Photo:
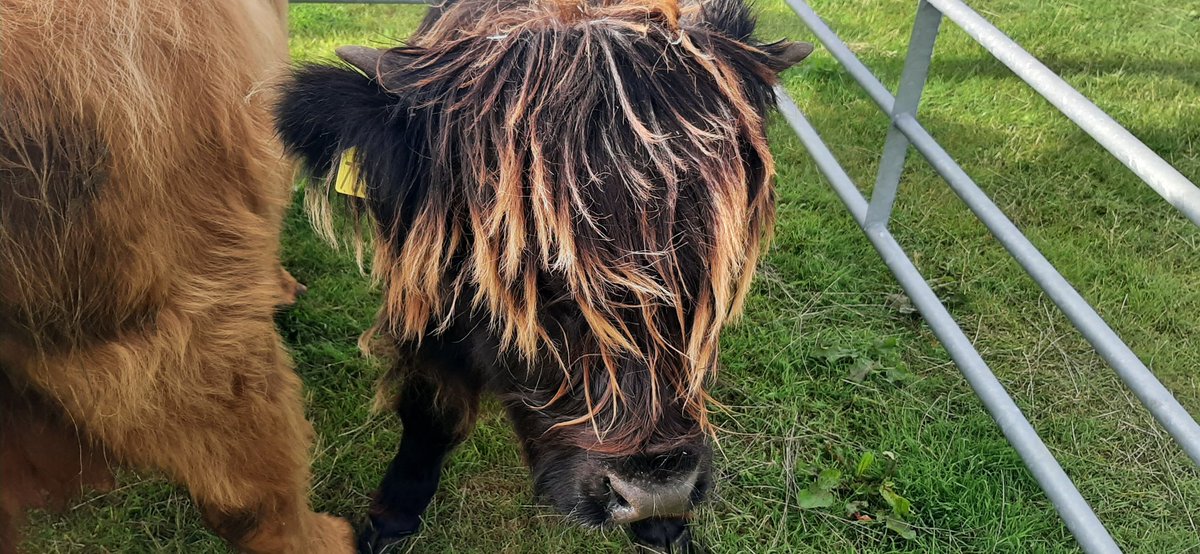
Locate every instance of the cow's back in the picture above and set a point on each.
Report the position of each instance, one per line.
(136, 162)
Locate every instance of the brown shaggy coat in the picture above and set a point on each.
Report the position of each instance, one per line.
(141, 197)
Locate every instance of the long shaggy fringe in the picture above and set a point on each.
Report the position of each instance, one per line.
(612, 150)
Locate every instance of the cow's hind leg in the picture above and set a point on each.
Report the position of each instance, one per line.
(223, 417)
(438, 410)
(252, 482)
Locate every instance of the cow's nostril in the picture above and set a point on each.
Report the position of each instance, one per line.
(615, 496)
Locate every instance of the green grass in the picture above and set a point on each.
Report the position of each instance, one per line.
(794, 410)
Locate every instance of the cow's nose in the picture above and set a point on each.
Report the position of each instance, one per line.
(634, 499)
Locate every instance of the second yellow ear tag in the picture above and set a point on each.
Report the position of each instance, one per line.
(348, 180)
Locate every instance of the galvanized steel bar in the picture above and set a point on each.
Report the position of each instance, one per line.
(1075, 511)
(908, 99)
(1152, 394)
(840, 52)
(1164, 179)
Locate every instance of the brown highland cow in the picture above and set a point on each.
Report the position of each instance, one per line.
(141, 196)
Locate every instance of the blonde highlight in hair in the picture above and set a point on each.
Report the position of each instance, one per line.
(565, 155)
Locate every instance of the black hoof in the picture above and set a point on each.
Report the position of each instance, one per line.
(666, 536)
(386, 536)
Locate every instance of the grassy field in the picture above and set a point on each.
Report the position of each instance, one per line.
(829, 365)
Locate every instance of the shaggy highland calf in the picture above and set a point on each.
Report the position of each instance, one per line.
(569, 201)
(141, 194)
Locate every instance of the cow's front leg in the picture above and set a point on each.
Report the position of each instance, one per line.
(438, 412)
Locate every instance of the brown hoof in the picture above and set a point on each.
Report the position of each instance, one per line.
(290, 289)
(332, 535)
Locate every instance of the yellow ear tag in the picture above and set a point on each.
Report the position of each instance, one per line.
(349, 182)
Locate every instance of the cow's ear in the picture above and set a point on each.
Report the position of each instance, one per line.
(734, 19)
(326, 109)
(785, 53)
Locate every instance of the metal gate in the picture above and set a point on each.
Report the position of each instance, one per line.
(873, 216)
